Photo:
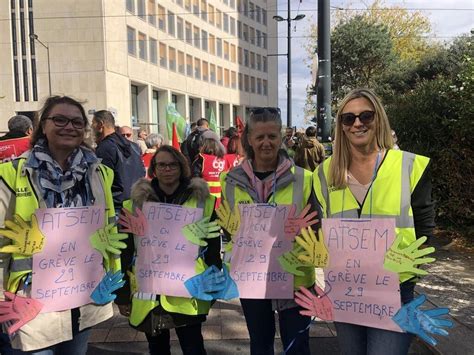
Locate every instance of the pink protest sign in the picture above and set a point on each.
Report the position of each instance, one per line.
(165, 258)
(68, 269)
(257, 246)
(361, 290)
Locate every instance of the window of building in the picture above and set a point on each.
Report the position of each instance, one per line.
(152, 12)
(197, 68)
(180, 28)
(226, 50)
(161, 18)
(211, 14)
(259, 86)
(204, 10)
(233, 53)
(258, 14)
(172, 58)
(252, 35)
(197, 38)
(212, 44)
(131, 42)
(134, 99)
(204, 41)
(226, 78)
(241, 82)
(233, 80)
(189, 33)
(252, 60)
(264, 40)
(259, 62)
(179, 2)
(252, 84)
(187, 5)
(246, 57)
(246, 7)
(155, 109)
(163, 56)
(219, 47)
(219, 76)
(246, 32)
(265, 87)
(171, 23)
(264, 64)
(218, 18)
(141, 12)
(131, 6)
(212, 69)
(241, 56)
(251, 10)
(240, 6)
(257, 38)
(142, 46)
(239, 30)
(153, 51)
(232, 26)
(226, 23)
(205, 71)
(189, 65)
(232, 4)
(264, 17)
(181, 62)
(196, 7)
(246, 83)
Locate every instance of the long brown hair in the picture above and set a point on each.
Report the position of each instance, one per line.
(211, 146)
(180, 158)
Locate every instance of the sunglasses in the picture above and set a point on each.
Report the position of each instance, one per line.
(366, 117)
(126, 135)
(260, 110)
(163, 166)
(62, 121)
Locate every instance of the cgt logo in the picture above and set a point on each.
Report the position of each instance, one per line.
(218, 164)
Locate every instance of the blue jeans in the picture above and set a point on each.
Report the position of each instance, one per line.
(76, 346)
(190, 340)
(260, 318)
(360, 340)
(5, 346)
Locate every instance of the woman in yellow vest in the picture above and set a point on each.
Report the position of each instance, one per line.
(366, 178)
(268, 176)
(60, 170)
(154, 314)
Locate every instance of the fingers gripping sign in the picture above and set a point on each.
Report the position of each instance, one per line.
(130, 223)
(106, 242)
(294, 223)
(315, 252)
(227, 218)
(198, 231)
(18, 310)
(399, 259)
(318, 305)
(27, 239)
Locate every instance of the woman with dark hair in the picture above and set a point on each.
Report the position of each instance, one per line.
(267, 176)
(157, 314)
(60, 171)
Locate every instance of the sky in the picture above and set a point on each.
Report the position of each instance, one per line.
(449, 18)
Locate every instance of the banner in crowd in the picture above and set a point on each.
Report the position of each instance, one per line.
(213, 121)
(165, 258)
(360, 289)
(173, 116)
(257, 246)
(67, 269)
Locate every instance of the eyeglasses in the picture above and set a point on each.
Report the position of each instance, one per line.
(163, 166)
(126, 135)
(62, 121)
(260, 110)
(348, 119)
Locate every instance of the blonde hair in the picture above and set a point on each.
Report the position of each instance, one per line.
(341, 157)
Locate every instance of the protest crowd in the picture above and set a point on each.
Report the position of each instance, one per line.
(163, 231)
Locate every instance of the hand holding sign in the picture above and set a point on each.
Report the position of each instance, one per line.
(105, 241)
(316, 252)
(290, 261)
(227, 218)
(318, 305)
(18, 310)
(406, 259)
(198, 231)
(27, 240)
(294, 223)
(102, 294)
(136, 225)
(420, 322)
(230, 289)
(205, 285)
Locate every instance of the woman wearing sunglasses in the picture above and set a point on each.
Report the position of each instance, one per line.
(267, 176)
(366, 178)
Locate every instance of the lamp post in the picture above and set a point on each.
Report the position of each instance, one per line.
(288, 55)
(35, 37)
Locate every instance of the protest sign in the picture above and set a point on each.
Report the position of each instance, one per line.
(165, 258)
(258, 243)
(67, 269)
(361, 290)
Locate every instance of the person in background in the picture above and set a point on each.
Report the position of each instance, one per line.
(17, 140)
(193, 142)
(235, 153)
(228, 134)
(193, 126)
(126, 132)
(309, 152)
(267, 176)
(155, 315)
(119, 154)
(142, 134)
(395, 140)
(365, 176)
(153, 142)
(289, 141)
(60, 170)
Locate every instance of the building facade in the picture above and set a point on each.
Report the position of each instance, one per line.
(137, 56)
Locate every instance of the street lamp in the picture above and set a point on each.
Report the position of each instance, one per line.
(288, 85)
(35, 38)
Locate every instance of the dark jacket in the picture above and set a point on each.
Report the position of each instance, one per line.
(124, 158)
(13, 135)
(309, 154)
(192, 144)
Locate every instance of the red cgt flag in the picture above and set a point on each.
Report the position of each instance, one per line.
(240, 125)
(174, 138)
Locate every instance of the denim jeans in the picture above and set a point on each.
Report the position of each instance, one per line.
(5, 346)
(76, 346)
(190, 340)
(360, 340)
(260, 320)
